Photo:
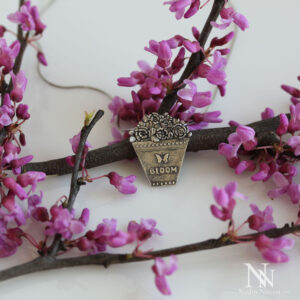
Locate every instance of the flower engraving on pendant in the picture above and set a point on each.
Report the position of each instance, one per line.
(156, 128)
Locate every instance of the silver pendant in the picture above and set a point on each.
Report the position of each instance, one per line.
(160, 142)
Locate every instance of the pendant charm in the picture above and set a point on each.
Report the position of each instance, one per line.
(160, 142)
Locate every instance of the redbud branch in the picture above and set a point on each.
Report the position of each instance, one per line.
(105, 259)
(204, 139)
(195, 60)
(75, 184)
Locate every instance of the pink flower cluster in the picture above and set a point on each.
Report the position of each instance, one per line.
(188, 8)
(28, 17)
(269, 161)
(15, 187)
(156, 83)
(106, 234)
(270, 249)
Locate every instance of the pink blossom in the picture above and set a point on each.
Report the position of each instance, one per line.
(294, 142)
(217, 42)
(261, 220)
(285, 186)
(31, 178)
(8, 55)
(263, 173)
(19, 85)
(144, 230)
(123, 184)
(10, 240)
(283, 125)
(106, 234)
(74, 141)
(190, 96)
(267, 114)
(229, 15)
(244, 165)
(271, 248)
(41, 58)
(15, 212)
(5, 118)
(11, 184)
(162, 50)
(28, 17)
(39, 26)
(294, 124)
(23, 17)
(186, 8)
(118, 136)
(244, 136)
(161, 269)
(22, 112)
(18, 163)
(215, 73)
(39, 213)
(291, 90)
(115, 107)
(64, 223)
(192, 47)
(225, 199)
(2, 30)
(178, 62)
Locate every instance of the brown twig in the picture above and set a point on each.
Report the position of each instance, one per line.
(75, 184)
(205, 139)
(195, 60)
(106, 259)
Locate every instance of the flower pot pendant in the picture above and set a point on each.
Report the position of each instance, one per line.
(160, 142)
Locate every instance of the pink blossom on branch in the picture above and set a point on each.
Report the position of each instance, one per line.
(225, 199)
(28, 17)
(261, 220)
(63, 222)
(19, 85)
(271, 249)
(244, 136)
(215, 73)
(106, 234)
(183, 8)
(267, 114)
(191, 97)
(144, 230)
(161, 269)
(229, 15)
(8, 55)
(74, 141)
(294, 142)
(123, 184)
(285, 186)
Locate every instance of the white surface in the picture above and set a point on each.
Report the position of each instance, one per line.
(94, 42)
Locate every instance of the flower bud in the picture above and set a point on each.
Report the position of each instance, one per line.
(22, 139)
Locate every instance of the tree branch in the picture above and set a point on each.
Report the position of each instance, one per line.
(205, 139)
(195, 60)
(106, 259)
(75, 184)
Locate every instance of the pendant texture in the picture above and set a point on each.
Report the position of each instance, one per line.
(160, 142)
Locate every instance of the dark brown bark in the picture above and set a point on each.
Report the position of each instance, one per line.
(205, 139)
(106, 259)
(75, 183)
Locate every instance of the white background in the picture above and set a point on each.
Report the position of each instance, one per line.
(95, 42)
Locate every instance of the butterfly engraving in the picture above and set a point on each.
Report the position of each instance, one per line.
(162, 158)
